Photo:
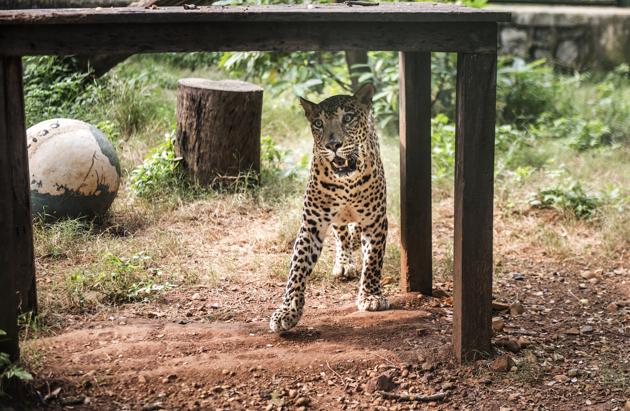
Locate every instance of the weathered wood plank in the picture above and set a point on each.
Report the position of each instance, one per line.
(56, 4)
(238, 36)
(20, 178)
(15, 213)
(474, 176)
(383, 13)
(415, 172)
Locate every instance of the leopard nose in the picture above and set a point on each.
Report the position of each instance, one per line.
(333, 145)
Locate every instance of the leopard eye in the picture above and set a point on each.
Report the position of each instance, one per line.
(348, 118)
(318, 123)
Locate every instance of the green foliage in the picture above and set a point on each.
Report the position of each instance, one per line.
(56, 87)
(568, 198)
(130, 106)
(159, 173)
(9, 369)
(300, 72)
(276, 163)
(190, 61)
(52, 86)
(116, 280)
(442, 146)
(525, 91)
(581, 134)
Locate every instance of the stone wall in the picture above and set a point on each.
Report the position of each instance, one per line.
(572, 37)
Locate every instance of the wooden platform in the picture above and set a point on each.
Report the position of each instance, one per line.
(413, 29)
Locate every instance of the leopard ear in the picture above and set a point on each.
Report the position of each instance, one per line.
(365, 93)
(310, 108)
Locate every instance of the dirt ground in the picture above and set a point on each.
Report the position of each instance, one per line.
(564, 327)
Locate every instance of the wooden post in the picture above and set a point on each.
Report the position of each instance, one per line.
(218, 128)
(17, 271)
(415, 172)
(474, 176)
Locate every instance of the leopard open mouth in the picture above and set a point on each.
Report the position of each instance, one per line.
(344, 166)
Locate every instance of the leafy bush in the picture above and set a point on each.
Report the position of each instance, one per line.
(57, 87)
(569, 198)
(298, 71)
(525, 91)
(581, 134)
(594, 97)
(52, 86)
(159, 173)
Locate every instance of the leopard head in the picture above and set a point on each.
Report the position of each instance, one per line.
(340, 124)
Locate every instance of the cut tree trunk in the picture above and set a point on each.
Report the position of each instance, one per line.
(218, 129)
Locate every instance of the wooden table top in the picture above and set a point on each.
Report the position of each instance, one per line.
(383, 13)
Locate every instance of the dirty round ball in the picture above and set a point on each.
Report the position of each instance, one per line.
(74, 169)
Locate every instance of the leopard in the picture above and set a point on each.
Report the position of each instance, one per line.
(345, 192)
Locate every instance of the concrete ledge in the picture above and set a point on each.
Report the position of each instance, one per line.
(575, 37)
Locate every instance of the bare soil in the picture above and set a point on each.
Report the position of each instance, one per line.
(208, 346)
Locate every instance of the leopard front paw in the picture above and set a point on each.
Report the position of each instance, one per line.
(345, 272)
(284, 318)
(372, 303)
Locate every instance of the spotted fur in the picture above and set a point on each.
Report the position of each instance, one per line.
(345, 190)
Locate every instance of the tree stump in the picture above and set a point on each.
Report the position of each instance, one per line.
(218, 129)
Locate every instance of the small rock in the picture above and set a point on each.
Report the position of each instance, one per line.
(561, 378)
(195, 296)
(612, 307)
(497, 324)
(510, 345)
(523, 341)
(586, 329)
(517, 309)
(225, 371)
(152, 407)
(518, 276)
(502, 363)
(497, 306)
(217, 389)
(587, 274)
(514, 397)
(427, 366)
(583, 301)
(572, 331)
(169, 378)
(573, 372)
(142, 379)
(447, 386)
(302, 401)
(384, 382)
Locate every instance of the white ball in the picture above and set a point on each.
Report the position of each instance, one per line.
(74, 169)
